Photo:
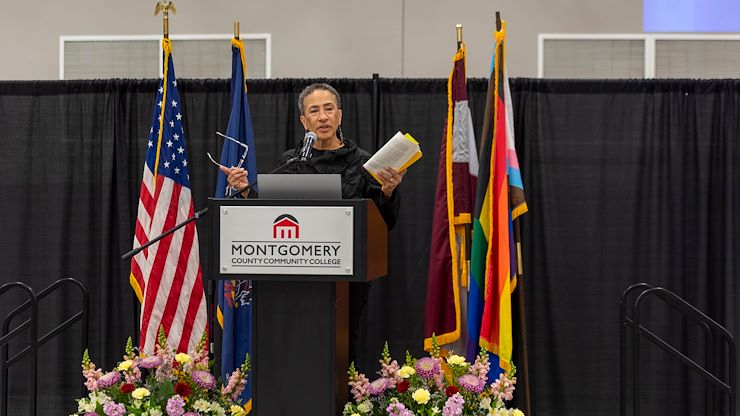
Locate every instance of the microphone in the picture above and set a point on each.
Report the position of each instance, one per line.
(308, 140)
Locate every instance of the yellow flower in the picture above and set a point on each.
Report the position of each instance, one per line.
(355, 414)
(125, 365)
(237, 410)
(456, 360)
(182, 358)
(421, 396)
(140, 393)
(517, 412)
(406, 371)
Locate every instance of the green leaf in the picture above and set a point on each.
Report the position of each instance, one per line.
(165, 391)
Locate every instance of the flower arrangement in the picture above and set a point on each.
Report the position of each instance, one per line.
(431, 386)
(165, 383)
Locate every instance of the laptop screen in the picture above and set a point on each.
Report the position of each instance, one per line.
(306, 186)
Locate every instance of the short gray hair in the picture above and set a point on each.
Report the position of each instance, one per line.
(316, 87)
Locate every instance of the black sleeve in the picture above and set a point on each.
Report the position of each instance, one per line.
(388, 207)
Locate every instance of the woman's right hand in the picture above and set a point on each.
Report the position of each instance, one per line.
(236, 178)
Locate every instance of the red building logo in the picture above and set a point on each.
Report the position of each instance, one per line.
(285, 226)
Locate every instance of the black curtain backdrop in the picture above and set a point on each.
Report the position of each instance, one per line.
(626, 181)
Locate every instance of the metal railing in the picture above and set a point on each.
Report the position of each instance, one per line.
(35, 342)
(714, 332)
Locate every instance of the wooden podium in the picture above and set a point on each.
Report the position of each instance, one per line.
(301, 255)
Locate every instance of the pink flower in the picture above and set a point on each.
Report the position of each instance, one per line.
(360, 387)
(92, 375)
(235, 386)
(109, 379)
(427, 367)
(150, 362)
(114, 409)
(503, 388)
(453, 405)
(204, 379)
(175, 406)
(471, 383)
(480, 367)
(389, 371)
(398, 409)
(378, 386)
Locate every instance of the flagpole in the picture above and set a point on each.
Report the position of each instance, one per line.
(236, 29)
(522, 316)
(458, 29)
(520, 296)
(165, 6)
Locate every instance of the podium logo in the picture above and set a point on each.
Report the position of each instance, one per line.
(285, 227)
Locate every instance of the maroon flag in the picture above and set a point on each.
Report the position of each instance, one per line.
(458, 167)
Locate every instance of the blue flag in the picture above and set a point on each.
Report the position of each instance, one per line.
(235, 296)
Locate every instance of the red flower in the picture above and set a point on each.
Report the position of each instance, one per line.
(182, 389)
(402, 386)
(127, 388)
(450, 390)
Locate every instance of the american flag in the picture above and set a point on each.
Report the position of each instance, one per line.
(167, 276)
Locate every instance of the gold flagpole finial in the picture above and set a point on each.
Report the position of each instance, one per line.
(165, 6)
(236, 29)
(458, 28)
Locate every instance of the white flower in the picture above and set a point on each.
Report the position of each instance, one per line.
(155, 412)
(435, 410)
(406, 371)
(485, 403)
(365, 407)
(84, 406)
(216, 409)
(456, 360)
(421, 396)
(201, 405)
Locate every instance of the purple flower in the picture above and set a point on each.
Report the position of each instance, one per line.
(398, 409)
(471, 383)
(109, 379)
(453, 406)
(427, 367)
(190, 414)
(378, 386)
(204, 379)
(150, 362)
(91, 414)
(114, 409)
(175, 406)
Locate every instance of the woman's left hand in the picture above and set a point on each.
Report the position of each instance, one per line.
(391, 179)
